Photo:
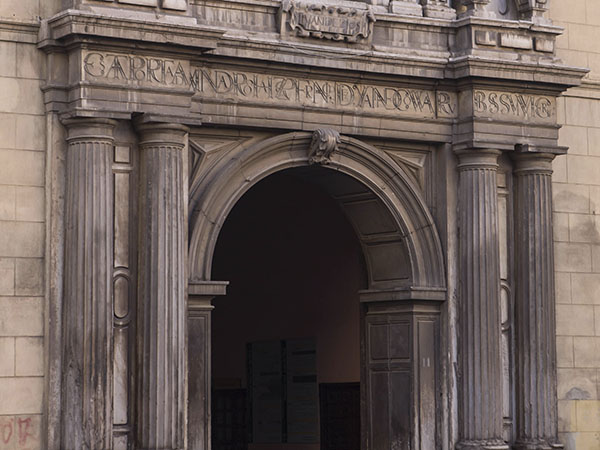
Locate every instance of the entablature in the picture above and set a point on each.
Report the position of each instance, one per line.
(474, 79)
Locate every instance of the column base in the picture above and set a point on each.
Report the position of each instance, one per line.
(538, 444)
(484, 444)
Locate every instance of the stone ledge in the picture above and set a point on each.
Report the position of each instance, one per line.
(19, 31)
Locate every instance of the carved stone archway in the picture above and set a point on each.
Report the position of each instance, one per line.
(400, 307)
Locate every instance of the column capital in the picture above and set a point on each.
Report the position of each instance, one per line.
(530, 163)
(90, 128)
(161, 134)
(531, 159)
(477, 158)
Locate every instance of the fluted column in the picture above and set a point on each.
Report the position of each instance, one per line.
(86, 420)
(536, 415)
(161, 312)
(480, 366)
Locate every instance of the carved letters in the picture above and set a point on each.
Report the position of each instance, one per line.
(512, 106)
(231, 85)
(328, 21)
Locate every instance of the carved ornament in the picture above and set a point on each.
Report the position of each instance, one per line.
(324, 143)
(527, 8)
(333, 22)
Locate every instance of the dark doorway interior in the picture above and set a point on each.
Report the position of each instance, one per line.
(295, 268)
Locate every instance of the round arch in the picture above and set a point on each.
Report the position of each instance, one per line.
(214, 193)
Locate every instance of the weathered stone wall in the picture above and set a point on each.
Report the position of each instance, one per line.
(577, 230)
(22, 226)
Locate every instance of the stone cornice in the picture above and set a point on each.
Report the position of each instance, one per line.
(73, 25)
(435, 61)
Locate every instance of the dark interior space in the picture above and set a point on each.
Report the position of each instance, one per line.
(286, 337)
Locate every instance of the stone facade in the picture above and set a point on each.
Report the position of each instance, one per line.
(129, 128)
(576, 232)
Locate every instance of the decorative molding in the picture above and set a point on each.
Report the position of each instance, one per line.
(324, 143)
(335, 22)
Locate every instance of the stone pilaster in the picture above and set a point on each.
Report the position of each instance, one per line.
(87, 319)
(535, 383)
(200, 295)
(161, 311)
(480, 367)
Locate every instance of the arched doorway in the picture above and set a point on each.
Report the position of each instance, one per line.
(403, 263)
(286, 337)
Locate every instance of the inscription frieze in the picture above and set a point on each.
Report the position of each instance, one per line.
(514, 106)
(245, 86)
(328, 21)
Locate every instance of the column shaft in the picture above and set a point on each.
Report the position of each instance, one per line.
(480, 373)
(534, 306)
(161, 312)
(87, 306)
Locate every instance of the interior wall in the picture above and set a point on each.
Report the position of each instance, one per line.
(295, 268)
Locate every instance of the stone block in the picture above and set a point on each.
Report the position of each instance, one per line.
(7, 276)
(586, 351)
(21, 95)
(571, 257)
(29, 356)
(576, 138)
(20, 432)
(31, 132)
(564, 351)
(583, 169)
(562, 287)
(586, 440)
(7, 131)
(596, 258)
(584, 228)
(30, 62)
(575, 58)
(29, 277)
(588, 415)
(30, 204)
(594, 139)
(574, 12)
(560, 223)
(595, 199)
(582, 111)
(575, 320)
(8, 56)
(22, 9)
(22, 395)
(7, 203)
(7, 358)
(574, 384)
(567, 415)
(594, 65)
(574, 198)
(597, 321)
(585, 288)
(22, 168)
(21, 316)
(22, 239)
(583, 37)
(559, 168)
